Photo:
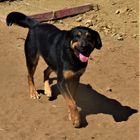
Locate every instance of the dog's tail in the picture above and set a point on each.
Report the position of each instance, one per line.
(21, 20)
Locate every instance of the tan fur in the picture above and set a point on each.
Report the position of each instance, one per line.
(68, 74)
(74, 44)
(47, 89)
(79, 33)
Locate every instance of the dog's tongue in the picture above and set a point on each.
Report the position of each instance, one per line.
(83, 58)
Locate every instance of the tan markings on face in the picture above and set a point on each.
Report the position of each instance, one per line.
(74, 44)
(88, 34)
(79, 33)
(68, 74)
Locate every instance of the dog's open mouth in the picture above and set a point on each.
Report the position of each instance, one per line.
(81, 56)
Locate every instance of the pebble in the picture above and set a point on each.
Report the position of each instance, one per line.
(61, 21)
(106, 29)
(119, 37)
(117, 11)
(108, 89)
(114, 34)
(134, 36)
(79, 19)
(122, 10)
(89, 23)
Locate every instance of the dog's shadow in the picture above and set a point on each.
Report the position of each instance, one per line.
(92, 102)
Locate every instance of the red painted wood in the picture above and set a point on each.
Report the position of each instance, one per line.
(43, 16)
(62, 13)
(72, 11)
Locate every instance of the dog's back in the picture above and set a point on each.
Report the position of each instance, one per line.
(43, 37)
(49, 41)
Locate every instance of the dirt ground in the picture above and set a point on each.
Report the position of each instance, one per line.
(108, 94)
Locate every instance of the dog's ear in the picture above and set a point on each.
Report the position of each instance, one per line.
(98, 42)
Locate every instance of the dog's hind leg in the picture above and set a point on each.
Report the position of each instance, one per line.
(47, 88)
(32, 57)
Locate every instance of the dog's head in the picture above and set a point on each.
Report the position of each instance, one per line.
(83, 41)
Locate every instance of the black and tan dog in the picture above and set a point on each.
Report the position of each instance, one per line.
(65, 51)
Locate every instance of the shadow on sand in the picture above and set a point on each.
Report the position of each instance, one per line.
(93, 102)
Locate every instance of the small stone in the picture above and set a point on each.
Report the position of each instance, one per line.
(52, 21)
(106, 29)
(108, 89)
(122, 10)
(119, 37)
(89, 23)
(117, 11)
(61, 21)
(79, 19)
(114, 34)
(134, 36)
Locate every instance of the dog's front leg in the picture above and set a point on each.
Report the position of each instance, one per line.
(67, 88)
(47, 88)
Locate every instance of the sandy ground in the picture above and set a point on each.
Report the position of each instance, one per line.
(108, 94)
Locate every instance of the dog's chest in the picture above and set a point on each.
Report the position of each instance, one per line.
(70, 73)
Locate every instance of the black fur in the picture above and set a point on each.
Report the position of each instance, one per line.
(61, 49)
(20, 19)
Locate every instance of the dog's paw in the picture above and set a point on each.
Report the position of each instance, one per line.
(48, 93)
(74, 116)
(47, 89)
(34, 95)
(76, 123)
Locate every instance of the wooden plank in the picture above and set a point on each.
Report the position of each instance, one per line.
(43, 16)
(72, 11)
(52, 15)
